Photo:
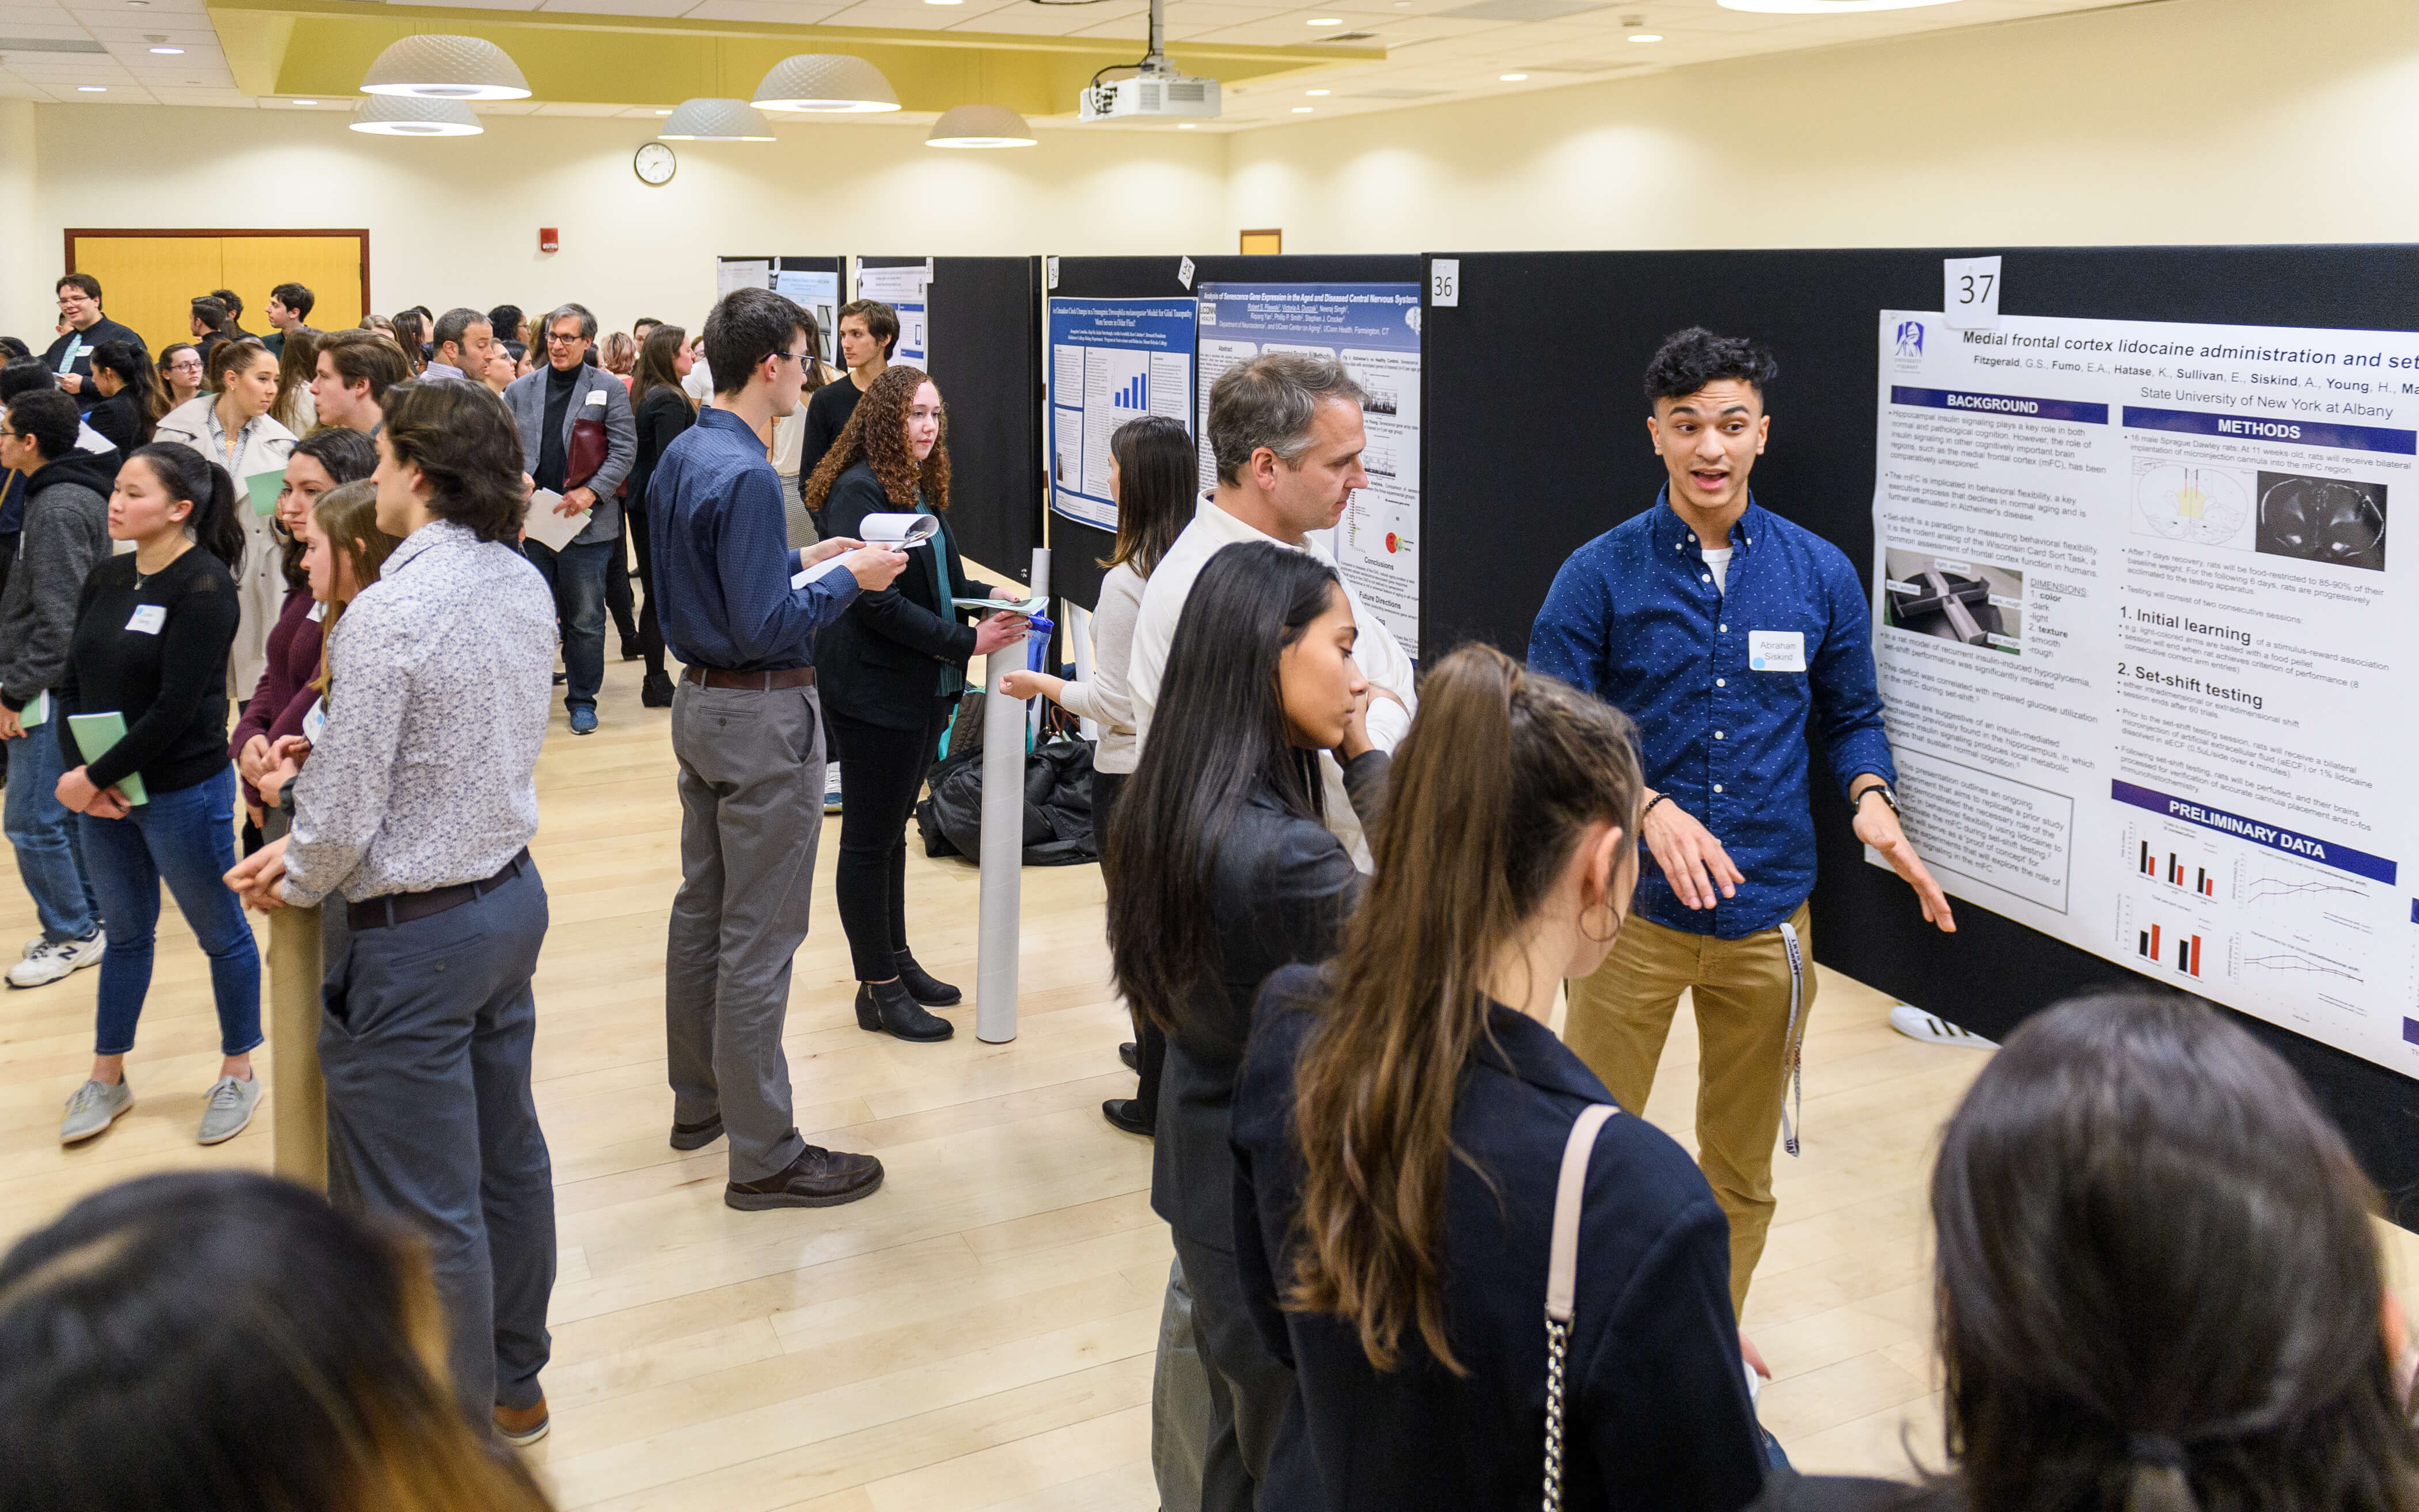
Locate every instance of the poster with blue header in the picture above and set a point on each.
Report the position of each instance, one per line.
(1375, 330)
(1111, 360)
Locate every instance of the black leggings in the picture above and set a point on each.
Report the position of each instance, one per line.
(886, 770)
(650, 628)
(1150, 1043)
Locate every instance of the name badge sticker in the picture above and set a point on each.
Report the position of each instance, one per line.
(1775, 650)
(596, 396)
(314, 723)
(149, 618)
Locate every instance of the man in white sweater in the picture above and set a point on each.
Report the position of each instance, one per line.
(1285, 430)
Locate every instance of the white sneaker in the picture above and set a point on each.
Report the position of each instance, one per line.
(48, 960)
(1916, 1023)
(32, 945)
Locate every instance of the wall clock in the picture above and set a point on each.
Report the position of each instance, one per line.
(655, 164)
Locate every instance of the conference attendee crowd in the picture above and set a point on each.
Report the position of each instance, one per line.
(281, 619)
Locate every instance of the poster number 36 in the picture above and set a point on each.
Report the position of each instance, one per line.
(1444, 282)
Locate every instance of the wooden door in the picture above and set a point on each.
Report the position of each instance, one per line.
(148, 279)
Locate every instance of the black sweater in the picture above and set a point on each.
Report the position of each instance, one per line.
(827, 412)
(663, 415)
(169, 684)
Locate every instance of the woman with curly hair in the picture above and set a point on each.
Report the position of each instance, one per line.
(891, 669)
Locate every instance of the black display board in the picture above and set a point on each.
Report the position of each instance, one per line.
(1076, 548)
(983, 319)
(1534, 441)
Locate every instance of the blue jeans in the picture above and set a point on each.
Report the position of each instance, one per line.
(576, 576)
(186, 838)
(425, 1043)
(50, 855)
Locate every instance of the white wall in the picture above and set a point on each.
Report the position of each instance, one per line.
(2190, 121)
(456, 221)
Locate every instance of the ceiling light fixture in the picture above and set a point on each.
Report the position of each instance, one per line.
(1824, 7)
(707, 119)
(1318, 91)
(306, 102)
(169, 52)
(412, 116)
(1187, 125)
(92, 89)
(981, 126)
(1303, 110)
(1327, 20)
(1512, 78)
(1646, 37)
(825, 81)
(435, 66)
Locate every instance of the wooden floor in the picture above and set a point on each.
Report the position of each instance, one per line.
(979, 1333)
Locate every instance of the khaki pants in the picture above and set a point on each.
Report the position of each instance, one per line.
(1620, 1017)
(299, 1097)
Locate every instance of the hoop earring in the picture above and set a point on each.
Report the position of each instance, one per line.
(1591, 936)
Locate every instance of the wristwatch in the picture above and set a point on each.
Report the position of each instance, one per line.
(1881, 788)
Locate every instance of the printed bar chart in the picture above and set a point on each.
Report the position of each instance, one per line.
(1134, 395)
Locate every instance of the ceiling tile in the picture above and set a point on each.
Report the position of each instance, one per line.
(760, 12)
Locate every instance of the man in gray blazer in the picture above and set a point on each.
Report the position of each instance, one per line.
(572, 413)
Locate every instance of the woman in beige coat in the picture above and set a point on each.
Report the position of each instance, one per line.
(232, 427)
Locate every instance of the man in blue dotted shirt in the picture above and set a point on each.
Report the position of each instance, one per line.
(1722, 629)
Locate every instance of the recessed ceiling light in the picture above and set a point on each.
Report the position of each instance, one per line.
(1512, 78)
(1303, 110)
(1327, 20)
(1646, 37)
(306, 102)
(171, 51)
(1187, 125)
(92, 89)
(1318, 91)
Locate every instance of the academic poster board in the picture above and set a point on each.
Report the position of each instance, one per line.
(814, 283)
(1586, 324)
(1375, 330)
(2143, 641)
(1111, 360)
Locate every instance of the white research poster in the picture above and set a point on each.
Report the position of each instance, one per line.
(2148, 651)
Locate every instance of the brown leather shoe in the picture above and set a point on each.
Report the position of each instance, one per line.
(820, 1178)
(521, 1427)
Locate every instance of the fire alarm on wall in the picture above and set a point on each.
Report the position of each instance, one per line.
(549, 239)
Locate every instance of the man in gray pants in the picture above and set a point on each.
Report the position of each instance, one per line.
(418, 802)
(748, 732)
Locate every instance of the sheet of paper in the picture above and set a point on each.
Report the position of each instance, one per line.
(1022, 606)
(821, 569)
(741, 273)
(548, 529)
(264, 487)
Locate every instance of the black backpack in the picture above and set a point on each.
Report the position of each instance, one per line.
(1058, 795)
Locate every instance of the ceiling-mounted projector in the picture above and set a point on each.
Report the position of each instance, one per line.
(1154, 88)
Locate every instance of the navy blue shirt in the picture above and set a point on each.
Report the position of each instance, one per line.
(722, 558)
(1636, 619)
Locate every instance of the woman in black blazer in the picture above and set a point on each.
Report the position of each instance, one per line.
(129, 407)
(1221, 871)
(663, 410)
(1399, 1125)
(890, 670)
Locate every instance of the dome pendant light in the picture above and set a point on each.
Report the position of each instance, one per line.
(981, 126)
(715, 120)
(825, 81)
(411, 116)
(446, 68)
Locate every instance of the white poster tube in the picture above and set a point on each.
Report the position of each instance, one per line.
(999, 921)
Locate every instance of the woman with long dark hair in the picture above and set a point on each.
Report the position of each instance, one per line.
(1219, 872)
(129, 407)
(150, 646)
(410, 329)
(2158, 1285)
(1153, 479)
(298, 359)
(1401, 1122)
(226, 1340)
(663, 410)
(891, 669)
(180, 377)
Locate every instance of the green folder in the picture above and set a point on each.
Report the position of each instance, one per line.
(94, 734)
(264, 487)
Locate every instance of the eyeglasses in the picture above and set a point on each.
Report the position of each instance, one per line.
(790, 357)
(557, 338)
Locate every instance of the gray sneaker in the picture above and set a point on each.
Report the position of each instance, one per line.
(95, 1107)
(227, 1110)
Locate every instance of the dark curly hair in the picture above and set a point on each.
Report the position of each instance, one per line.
(1689, 360)
(877, 433)
(458, 434)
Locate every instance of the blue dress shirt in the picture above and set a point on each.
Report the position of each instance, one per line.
(722, 560)
(1636, 619)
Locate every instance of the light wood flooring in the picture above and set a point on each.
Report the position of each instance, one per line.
(977, 1335)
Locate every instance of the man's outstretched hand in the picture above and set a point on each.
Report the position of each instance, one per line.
(1877, 826)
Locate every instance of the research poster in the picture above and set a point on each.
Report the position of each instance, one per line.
(2146, 645)
(818, 294)
(902, 288)
(1375, 329)
(1110, 361)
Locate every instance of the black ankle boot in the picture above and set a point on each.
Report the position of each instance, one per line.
(923, 987)
(655, 690)
(885, 1008)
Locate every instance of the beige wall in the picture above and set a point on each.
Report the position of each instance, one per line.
(455, 221)
(2189, 121)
